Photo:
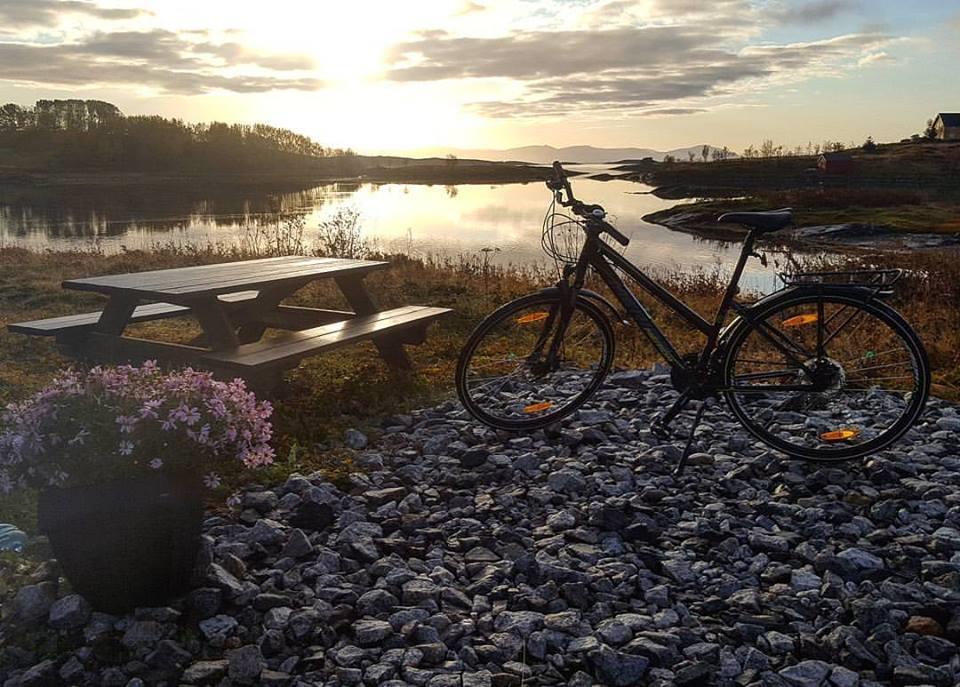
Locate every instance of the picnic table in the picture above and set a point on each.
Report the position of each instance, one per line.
(235, 303)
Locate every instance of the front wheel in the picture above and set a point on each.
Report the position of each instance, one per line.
(826, 378)
(534, 361)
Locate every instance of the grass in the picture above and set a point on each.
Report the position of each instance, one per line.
(900, 210)
(351, 387)
(920, 165)
(906, 187)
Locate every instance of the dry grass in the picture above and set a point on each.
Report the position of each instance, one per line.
(904, 210)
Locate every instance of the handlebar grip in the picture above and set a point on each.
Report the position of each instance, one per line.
(615, 234)
(562, 178)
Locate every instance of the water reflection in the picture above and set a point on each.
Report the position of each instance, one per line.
(444, 220)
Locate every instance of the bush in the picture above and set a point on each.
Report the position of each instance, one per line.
(340, 236)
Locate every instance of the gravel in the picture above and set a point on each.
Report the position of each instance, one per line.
(570, 556)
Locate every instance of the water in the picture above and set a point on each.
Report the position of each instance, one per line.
(502, 222)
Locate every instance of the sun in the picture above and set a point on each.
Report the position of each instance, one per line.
(348, 47)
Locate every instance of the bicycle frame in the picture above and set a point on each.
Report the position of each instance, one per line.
(603, 259)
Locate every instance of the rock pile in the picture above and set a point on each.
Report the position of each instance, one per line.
(465, 557)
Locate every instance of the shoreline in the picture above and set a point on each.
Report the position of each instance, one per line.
(408, 174)
(838, 236)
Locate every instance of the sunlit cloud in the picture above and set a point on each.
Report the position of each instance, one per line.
(45, 13)
(110, 47)
(623, 68)
(876, 58)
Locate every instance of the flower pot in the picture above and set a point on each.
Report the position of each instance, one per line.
(126, 543)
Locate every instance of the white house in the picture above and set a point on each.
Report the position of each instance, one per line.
(947, 126)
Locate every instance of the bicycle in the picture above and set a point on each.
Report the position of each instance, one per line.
(822, 369)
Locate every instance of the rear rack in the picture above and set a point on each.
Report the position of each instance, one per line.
(881, 281)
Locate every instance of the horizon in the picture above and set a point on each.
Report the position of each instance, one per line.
(604, 73)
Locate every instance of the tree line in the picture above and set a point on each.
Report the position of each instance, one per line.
(96, 135)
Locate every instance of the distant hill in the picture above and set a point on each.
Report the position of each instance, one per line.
(92, 141)
(585, 154)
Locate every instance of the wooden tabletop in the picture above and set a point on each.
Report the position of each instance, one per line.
(188, 283)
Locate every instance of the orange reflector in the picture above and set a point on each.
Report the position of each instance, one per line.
(533, 317)
(538, 407)
(840, 434)
(800, 320)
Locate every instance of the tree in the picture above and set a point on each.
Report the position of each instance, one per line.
(669, 159)
(930, 133)
(705, 152)
(13, 117)
(692, 155)
(81, 134)
(869, 146)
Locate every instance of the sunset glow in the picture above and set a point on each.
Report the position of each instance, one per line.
(383, 76)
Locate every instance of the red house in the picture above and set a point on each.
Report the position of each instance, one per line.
(835, 163)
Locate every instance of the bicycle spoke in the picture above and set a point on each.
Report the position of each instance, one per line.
(768, 375)
(875, 355)
(491, 380)
(878, 367)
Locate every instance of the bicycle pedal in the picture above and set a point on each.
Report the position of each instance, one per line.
(660, 430)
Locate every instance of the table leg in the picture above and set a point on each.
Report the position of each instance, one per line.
(217, 328)
(113, 321)
(251, 329)
(116, 316)
(358, 297)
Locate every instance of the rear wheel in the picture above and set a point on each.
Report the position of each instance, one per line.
(827, 378)
(522, 368)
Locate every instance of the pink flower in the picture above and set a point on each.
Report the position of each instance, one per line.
(127, 424)
(211, 480)
(184, 419)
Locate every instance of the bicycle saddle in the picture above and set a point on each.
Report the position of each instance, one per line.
(769, 220)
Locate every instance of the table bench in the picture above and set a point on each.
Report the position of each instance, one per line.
(235, 304)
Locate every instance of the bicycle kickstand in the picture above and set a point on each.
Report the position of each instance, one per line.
(682, 462)
(660, 425)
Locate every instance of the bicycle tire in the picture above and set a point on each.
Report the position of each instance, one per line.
(482, 330)
(885, 314)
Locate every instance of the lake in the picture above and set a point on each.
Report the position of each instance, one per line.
(502, 222)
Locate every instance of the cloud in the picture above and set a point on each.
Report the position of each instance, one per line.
(27, 13)
(471, 7)
(814, 12)
(876, 58)
(671, 111)
(158, 59)
(109, 46)
(640, 69)
(532, 55)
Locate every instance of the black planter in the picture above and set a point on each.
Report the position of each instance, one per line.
(127, 543)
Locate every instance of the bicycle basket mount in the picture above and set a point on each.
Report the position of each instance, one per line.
(563, 236)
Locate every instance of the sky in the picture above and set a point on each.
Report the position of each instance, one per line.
(388, 76)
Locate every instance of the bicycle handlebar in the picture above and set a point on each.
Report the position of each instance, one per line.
(592, 213)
